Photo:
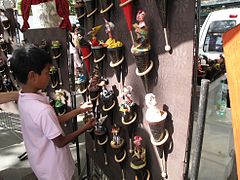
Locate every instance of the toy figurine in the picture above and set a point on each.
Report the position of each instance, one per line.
(97, 48)
(141, 48)
(56, 54)
(89, 116)
(108, 97)
(155, 119)
(117, 143)
(115, 50)
(43, 45)
(138, 160)
(141, 31)
(81, 81)
(60, 101)
(54, 76)
(102, 137)
(109, 27)
(129, 116)
(127, 105)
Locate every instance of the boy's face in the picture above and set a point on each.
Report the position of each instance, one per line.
(42, 80)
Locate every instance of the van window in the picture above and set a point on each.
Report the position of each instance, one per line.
(213, 40)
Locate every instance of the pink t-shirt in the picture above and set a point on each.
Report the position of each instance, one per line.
(40, 125)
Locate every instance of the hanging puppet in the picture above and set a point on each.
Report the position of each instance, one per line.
(129, 116)
(115, 51)
(117, 143)
(98, 49)
(56, 55)
(102, 136)
(156, 118)
(141, 48)
(139, 160)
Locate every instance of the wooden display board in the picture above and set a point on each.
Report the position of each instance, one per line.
(170, 80)
(231, 47)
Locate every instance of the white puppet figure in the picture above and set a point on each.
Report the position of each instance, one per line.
(109, 27)
(153, 114)
(127, 95)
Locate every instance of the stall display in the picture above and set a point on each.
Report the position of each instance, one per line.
(123, 52)
(164, 74)
(141, 48)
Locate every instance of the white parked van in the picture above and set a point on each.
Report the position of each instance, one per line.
(216, 23)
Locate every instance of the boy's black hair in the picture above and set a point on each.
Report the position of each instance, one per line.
(26, 59)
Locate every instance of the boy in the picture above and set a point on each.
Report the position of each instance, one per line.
(48, 153)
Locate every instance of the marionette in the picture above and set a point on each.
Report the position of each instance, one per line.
(60, 101)
(56, 55)
(98, 49)
(141, 48)
(139, 160)
(117, 143)
(102, 136)
(129, 116)
(159, 134)
(115, 51)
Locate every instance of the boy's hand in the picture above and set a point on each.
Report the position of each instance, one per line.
(85, 107)
(90, 124)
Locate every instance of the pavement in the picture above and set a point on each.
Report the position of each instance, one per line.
(12, 146)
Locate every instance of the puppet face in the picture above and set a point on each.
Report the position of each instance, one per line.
(150, 100)
(140, 16)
